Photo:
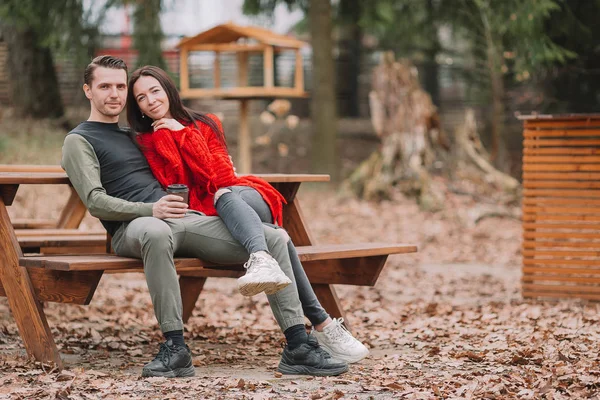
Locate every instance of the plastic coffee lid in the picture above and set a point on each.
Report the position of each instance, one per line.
(177, 187)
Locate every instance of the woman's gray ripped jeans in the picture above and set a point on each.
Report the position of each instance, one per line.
(244, 211)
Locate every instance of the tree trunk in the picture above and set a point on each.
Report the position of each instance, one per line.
(349, 57)
(33, 81)
(323, 101)
(413, 143)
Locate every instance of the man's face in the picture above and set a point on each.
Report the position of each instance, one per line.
(108, 91)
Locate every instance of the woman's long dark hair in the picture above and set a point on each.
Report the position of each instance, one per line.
(176, 108)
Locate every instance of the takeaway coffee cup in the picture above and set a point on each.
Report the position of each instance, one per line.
(179, 189)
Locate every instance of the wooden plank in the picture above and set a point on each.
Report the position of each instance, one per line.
(8, 193)
(579, 159)
(561, 193)
(554, 217)
(560, 124)
(531, 244)
(542, 261)
(243, 92)
(217, 70)
(30, 168)
(72, 213)
(542, 294)
(560, 184)
(536, 142)
(54, 232)
(561, 150)
(533, 201)
(562, 226)
(16, 178)
(561, 167)
(561, 288)
(562, 133)
(268, 71)
(561, 210)
(72, 287)
(228, 47)
(555, 278)
(190, 288)
(242, 59)
(63, 241)
(26, 309)
(306, 254)
(529, 176)
(560, 271)
(560, 253)
(564, 235)
(328, 298)
(32, 223)
(184, 74)
(298, 72)
(244, 140)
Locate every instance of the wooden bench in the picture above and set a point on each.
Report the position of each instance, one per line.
(28, 280)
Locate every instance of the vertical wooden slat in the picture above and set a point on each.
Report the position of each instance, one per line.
(244, 144)
(184, 75)
(299, 73)
(268, 67)
(217, 70)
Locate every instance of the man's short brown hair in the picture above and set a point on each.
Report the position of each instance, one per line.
(105, 61)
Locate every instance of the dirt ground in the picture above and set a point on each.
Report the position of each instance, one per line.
(448, 322)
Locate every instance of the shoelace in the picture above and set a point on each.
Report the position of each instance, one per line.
(164, 354)
(318, 349)
(254, 261)
(340, 332)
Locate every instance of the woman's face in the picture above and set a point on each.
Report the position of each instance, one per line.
(151, 98)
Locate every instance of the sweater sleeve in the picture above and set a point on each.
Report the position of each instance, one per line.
(222, 163)
(81, 164)
(157, 163)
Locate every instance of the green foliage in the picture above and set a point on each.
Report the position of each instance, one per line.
(148, 34)
(61, 25)
(267, 7)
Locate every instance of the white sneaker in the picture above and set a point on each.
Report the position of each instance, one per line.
(340, 343)
(263, 273)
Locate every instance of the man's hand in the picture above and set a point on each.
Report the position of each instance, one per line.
(167, 123)
(169, 206)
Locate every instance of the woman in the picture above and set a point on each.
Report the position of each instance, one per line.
(184, 146)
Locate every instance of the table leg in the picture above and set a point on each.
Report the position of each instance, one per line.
(190, 288)
(73, 212)
(330, 302)
(294, 224)
(26, 309)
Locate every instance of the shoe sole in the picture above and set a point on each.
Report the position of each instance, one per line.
(307, 370)
(254, 288)
(344, 357)
(184, 372)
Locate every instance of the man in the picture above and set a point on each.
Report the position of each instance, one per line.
(114, 181)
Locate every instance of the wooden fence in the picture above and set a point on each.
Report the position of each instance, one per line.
(561, 206)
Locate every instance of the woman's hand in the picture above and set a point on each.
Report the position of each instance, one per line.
(167, 123)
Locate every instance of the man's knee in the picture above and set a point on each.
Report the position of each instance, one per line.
(275, 237)
(156, 233)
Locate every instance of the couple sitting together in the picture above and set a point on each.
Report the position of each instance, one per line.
(122, 174)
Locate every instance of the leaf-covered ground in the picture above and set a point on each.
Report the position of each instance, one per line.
(447, 322)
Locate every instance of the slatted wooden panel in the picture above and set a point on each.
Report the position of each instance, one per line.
(561, 206)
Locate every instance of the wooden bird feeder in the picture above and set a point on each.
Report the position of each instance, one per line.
(242, 41)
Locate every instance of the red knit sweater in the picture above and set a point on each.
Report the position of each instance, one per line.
(197, 158)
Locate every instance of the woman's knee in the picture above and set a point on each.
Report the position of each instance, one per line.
(220, 193)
